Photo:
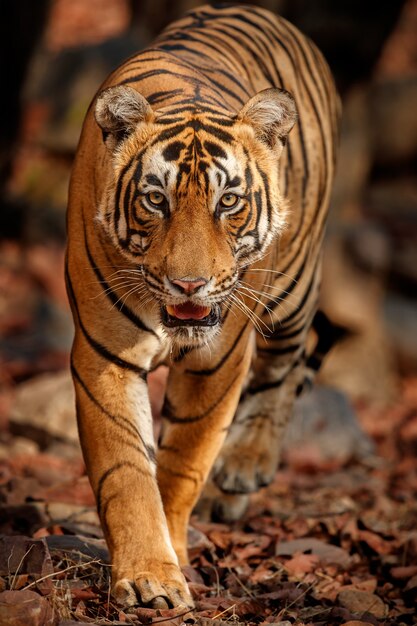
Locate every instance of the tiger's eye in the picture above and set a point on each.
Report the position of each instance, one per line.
(229, 200)
(156, 198)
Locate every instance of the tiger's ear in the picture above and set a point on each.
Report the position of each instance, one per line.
(118, 111)
(272, 113)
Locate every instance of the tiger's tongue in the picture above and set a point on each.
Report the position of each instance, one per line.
(188, 311)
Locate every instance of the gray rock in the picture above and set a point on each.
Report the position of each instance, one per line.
(324, 418)
(68, 81)
(87, 546)
(25, 608)
(393, 106)
(401, 322)
(361, 365)
(44, 410)
(394, 204)
(370, 246)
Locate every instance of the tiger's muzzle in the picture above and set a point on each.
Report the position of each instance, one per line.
(190, 314)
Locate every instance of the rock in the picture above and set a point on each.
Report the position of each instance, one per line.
(25, 608)
(87, 546)
(327, 553)
(354, 155)
(370, 246)
(44, 409)
(393, 205)
(22, 518)
(404, 263)
(410, 591)
(324, 418)
(403, 571)
(84, 69)
(21, 555)
(69, 450)
(17, 446)
(361, 364)
(401, 320)
(393, 121)
(70, 622)
(362, 602)
(78, 514)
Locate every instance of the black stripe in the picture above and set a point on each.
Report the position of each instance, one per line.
(123, 308)
(109, 473)
(274, 384)
(98, 347)
(219, 364)
(279, 351)
(122, 422)
(167, 411)
(171, 472)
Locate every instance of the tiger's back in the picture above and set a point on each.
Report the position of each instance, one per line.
(199, 217)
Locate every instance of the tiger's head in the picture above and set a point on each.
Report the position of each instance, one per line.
(193, 198)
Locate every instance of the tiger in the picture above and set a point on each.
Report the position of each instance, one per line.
(196, 216)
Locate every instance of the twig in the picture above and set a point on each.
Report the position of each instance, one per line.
(285, 609)
(166, 619)
(225, 611)
(248, 591)
(67, 569)
(19, 566)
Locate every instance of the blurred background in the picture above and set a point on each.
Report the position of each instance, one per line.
(55, 55)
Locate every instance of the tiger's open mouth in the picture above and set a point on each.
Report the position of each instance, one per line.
(190, 314)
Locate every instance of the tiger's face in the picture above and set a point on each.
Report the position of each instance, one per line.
(194, 200)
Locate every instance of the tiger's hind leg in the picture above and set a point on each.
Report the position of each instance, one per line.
(250, 456)
(251, 453)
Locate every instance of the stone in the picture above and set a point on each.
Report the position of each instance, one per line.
(22, 555)
(361, 364)
(87, 546)
(355, 622)
(362, 602)
(327, 553)
(324, 418)
(44, 409)
(354, 156)
(400, 315)
(393, 121)
(25, 608)
(18, 446)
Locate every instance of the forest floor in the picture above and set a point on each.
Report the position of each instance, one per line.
(326, 543)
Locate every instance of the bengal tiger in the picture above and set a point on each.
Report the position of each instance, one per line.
(195, 229)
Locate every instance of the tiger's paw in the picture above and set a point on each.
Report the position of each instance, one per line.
(217, 506)
(244, 471)
(162, 590)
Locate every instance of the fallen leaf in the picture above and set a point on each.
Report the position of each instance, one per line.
(356, 622)
(302, 563)
(406, 571)
(362, 602)
(376, 542)
(83, 594)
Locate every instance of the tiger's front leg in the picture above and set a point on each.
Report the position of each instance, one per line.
(199, 407)
(116, 434)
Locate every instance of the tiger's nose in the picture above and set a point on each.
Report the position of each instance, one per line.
(189, 286)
